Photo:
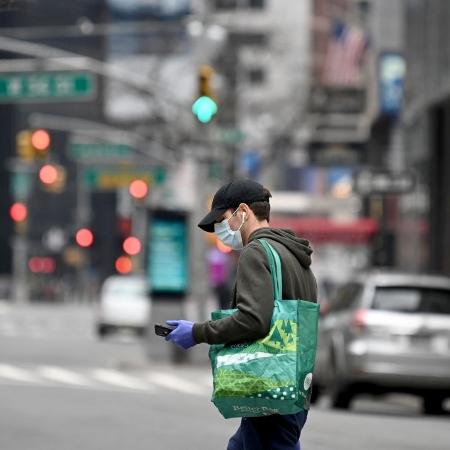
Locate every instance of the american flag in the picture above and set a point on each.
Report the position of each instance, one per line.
(344, 55)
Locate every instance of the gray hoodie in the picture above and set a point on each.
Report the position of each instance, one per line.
(252, 293)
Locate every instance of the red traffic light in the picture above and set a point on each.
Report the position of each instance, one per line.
(138, 189)
(124, 265)
(48, 174)
(84, 237)
(41, 265)
(18, 212)
(132, 245)
(40, 140)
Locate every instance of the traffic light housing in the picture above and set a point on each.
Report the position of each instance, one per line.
(205, 106)
(33, 145)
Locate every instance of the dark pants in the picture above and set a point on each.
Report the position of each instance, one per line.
(269, 433)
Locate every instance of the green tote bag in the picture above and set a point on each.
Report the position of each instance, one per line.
(272, 375)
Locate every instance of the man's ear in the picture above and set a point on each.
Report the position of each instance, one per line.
(245, 209)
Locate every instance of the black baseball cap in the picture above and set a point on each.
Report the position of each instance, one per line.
(231, 195)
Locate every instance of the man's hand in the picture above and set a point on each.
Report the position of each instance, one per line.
(182, 335)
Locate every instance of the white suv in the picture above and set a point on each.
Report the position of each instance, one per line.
(387, 332)
(124, 304)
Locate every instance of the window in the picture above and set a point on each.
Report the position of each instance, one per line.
(125, 288)
(256, 75)
(346, 297)
(257, 4)
(236, 4)
(412, 300)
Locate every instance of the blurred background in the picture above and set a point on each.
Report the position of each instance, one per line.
(121, 118)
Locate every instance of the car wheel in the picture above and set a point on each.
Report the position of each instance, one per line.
(433, 405)
(341, 394)
(102, 330)
(141, 332)
(341, 397)
(315, 393)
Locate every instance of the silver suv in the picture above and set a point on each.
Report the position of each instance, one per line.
(387, 332)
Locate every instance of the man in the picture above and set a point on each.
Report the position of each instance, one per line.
(239, 215)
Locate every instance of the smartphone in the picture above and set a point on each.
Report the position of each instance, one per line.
(163, 330)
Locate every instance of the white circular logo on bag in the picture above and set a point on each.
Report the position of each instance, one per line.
(308, 381)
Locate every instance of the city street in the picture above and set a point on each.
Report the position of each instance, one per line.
(61, 389)
(163, 160)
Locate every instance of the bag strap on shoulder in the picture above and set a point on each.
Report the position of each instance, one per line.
(275, 269)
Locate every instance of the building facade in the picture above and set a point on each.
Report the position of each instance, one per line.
(266, 63)
(424, 235)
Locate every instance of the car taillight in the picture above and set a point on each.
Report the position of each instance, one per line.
(359, 320)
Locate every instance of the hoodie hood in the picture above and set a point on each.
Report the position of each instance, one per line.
(299, 247)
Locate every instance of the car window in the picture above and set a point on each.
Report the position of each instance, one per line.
(346, 297)
(412, 300)
(126, 289)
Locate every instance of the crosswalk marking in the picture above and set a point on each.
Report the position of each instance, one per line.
(9, 332)
(36, 334)
(194, 383)
(42, 331)
(173, 382)
(119, 379)
(63, 376)
(16, 374)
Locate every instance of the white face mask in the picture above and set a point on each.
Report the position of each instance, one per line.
(230, 238)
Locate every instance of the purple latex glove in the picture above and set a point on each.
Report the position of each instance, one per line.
(182, 335)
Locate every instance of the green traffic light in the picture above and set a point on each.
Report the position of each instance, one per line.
(204, 108)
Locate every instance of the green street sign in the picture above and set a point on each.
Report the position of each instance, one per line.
(231, 135)
(46, 86)
(96, 151)
(21, 184)
(115, 177)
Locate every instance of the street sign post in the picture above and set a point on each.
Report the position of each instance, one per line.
(384, 182)
(46, 86)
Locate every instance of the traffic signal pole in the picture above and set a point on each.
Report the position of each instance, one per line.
(197, 243)
(83, 215)
(139, 222)
(21, 291)
(31, 146)
(20, 282)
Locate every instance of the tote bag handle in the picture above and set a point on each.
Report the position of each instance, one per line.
(275, 269)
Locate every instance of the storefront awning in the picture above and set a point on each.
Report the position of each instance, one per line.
(321, 229)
